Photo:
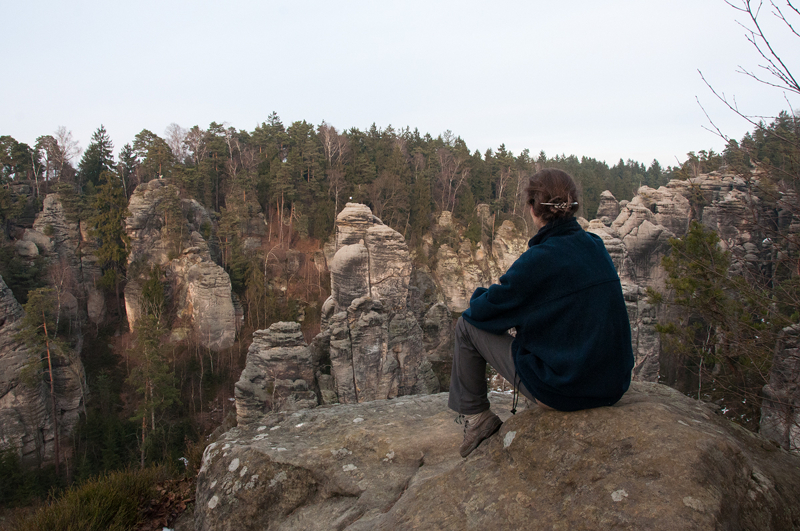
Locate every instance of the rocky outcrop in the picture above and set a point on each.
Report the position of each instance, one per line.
(780, 409)
(608, 208)
(199, 289)
(69, 249)
(26, 423)
(461, 265)
(369, 332)
(638, 239)
(278, 374)
(656, 460)
(24, 415)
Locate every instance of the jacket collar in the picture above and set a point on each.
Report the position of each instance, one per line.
(557, 227)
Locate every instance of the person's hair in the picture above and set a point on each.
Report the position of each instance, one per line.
(553, 194)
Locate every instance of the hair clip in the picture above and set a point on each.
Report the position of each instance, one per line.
(561, 206)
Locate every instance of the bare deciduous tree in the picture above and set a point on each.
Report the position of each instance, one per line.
(175, 136)
(67, 148)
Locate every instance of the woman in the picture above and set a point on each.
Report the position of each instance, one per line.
(572, 348)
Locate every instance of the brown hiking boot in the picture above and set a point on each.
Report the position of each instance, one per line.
(477, 431)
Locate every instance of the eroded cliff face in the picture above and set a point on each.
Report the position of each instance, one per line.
(69, 249)
(278, 375)
(199, 290)
(373, 339)
(638, 239)
(461, 266)
(26, 423)
(655, 460)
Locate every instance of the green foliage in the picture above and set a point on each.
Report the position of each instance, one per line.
(15, 160)
(107, 224)
(153, 296)
(11, 206)
(205, 230)
(21, 276)
(112, 501)
(96, 159)
(38, 325)
(151, 377)
(725, 326)
(154, 158)
(21, 486)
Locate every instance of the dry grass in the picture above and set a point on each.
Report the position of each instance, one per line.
(112, 502)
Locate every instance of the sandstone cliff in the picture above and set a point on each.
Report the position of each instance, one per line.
(66, 247)
(69, 248)
(460, 265)
(656, 460)
(373, 341)
(198, 288)
(638, 239)
(26, 423)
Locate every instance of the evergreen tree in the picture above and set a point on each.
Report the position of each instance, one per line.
(725, 326)
(38, 332)
(128, 165)
(154, 156)
(151, 378)
(108, 226)
(96, 159)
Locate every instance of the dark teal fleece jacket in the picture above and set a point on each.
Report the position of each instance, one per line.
(563, 295)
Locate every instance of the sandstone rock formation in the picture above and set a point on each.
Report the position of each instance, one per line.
(199, 289)
(780, 410)
(68, 246)
(656, 460)
(638, 238)
(461, 266)
(278, 374)
(26, 423)
(608, 208)
(370, 334)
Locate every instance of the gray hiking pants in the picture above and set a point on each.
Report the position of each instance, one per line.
(473, 349)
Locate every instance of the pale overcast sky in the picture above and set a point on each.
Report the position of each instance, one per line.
(609, 80)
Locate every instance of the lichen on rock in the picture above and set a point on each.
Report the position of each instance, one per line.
(655, 460)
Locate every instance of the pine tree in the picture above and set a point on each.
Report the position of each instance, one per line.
(108, 226)
(151, 376)
(96, 159)
(38, 332)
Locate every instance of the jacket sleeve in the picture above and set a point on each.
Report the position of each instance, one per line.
(499, 307)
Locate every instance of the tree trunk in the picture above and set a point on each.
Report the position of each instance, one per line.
(57, 447)
(144, 427)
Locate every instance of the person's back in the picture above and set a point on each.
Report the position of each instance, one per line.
(563, 296)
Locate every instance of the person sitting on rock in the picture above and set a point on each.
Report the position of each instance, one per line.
(563, 297)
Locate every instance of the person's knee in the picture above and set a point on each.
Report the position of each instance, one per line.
(461, 327)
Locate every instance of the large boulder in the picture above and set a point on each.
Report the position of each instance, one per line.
(656, 460)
